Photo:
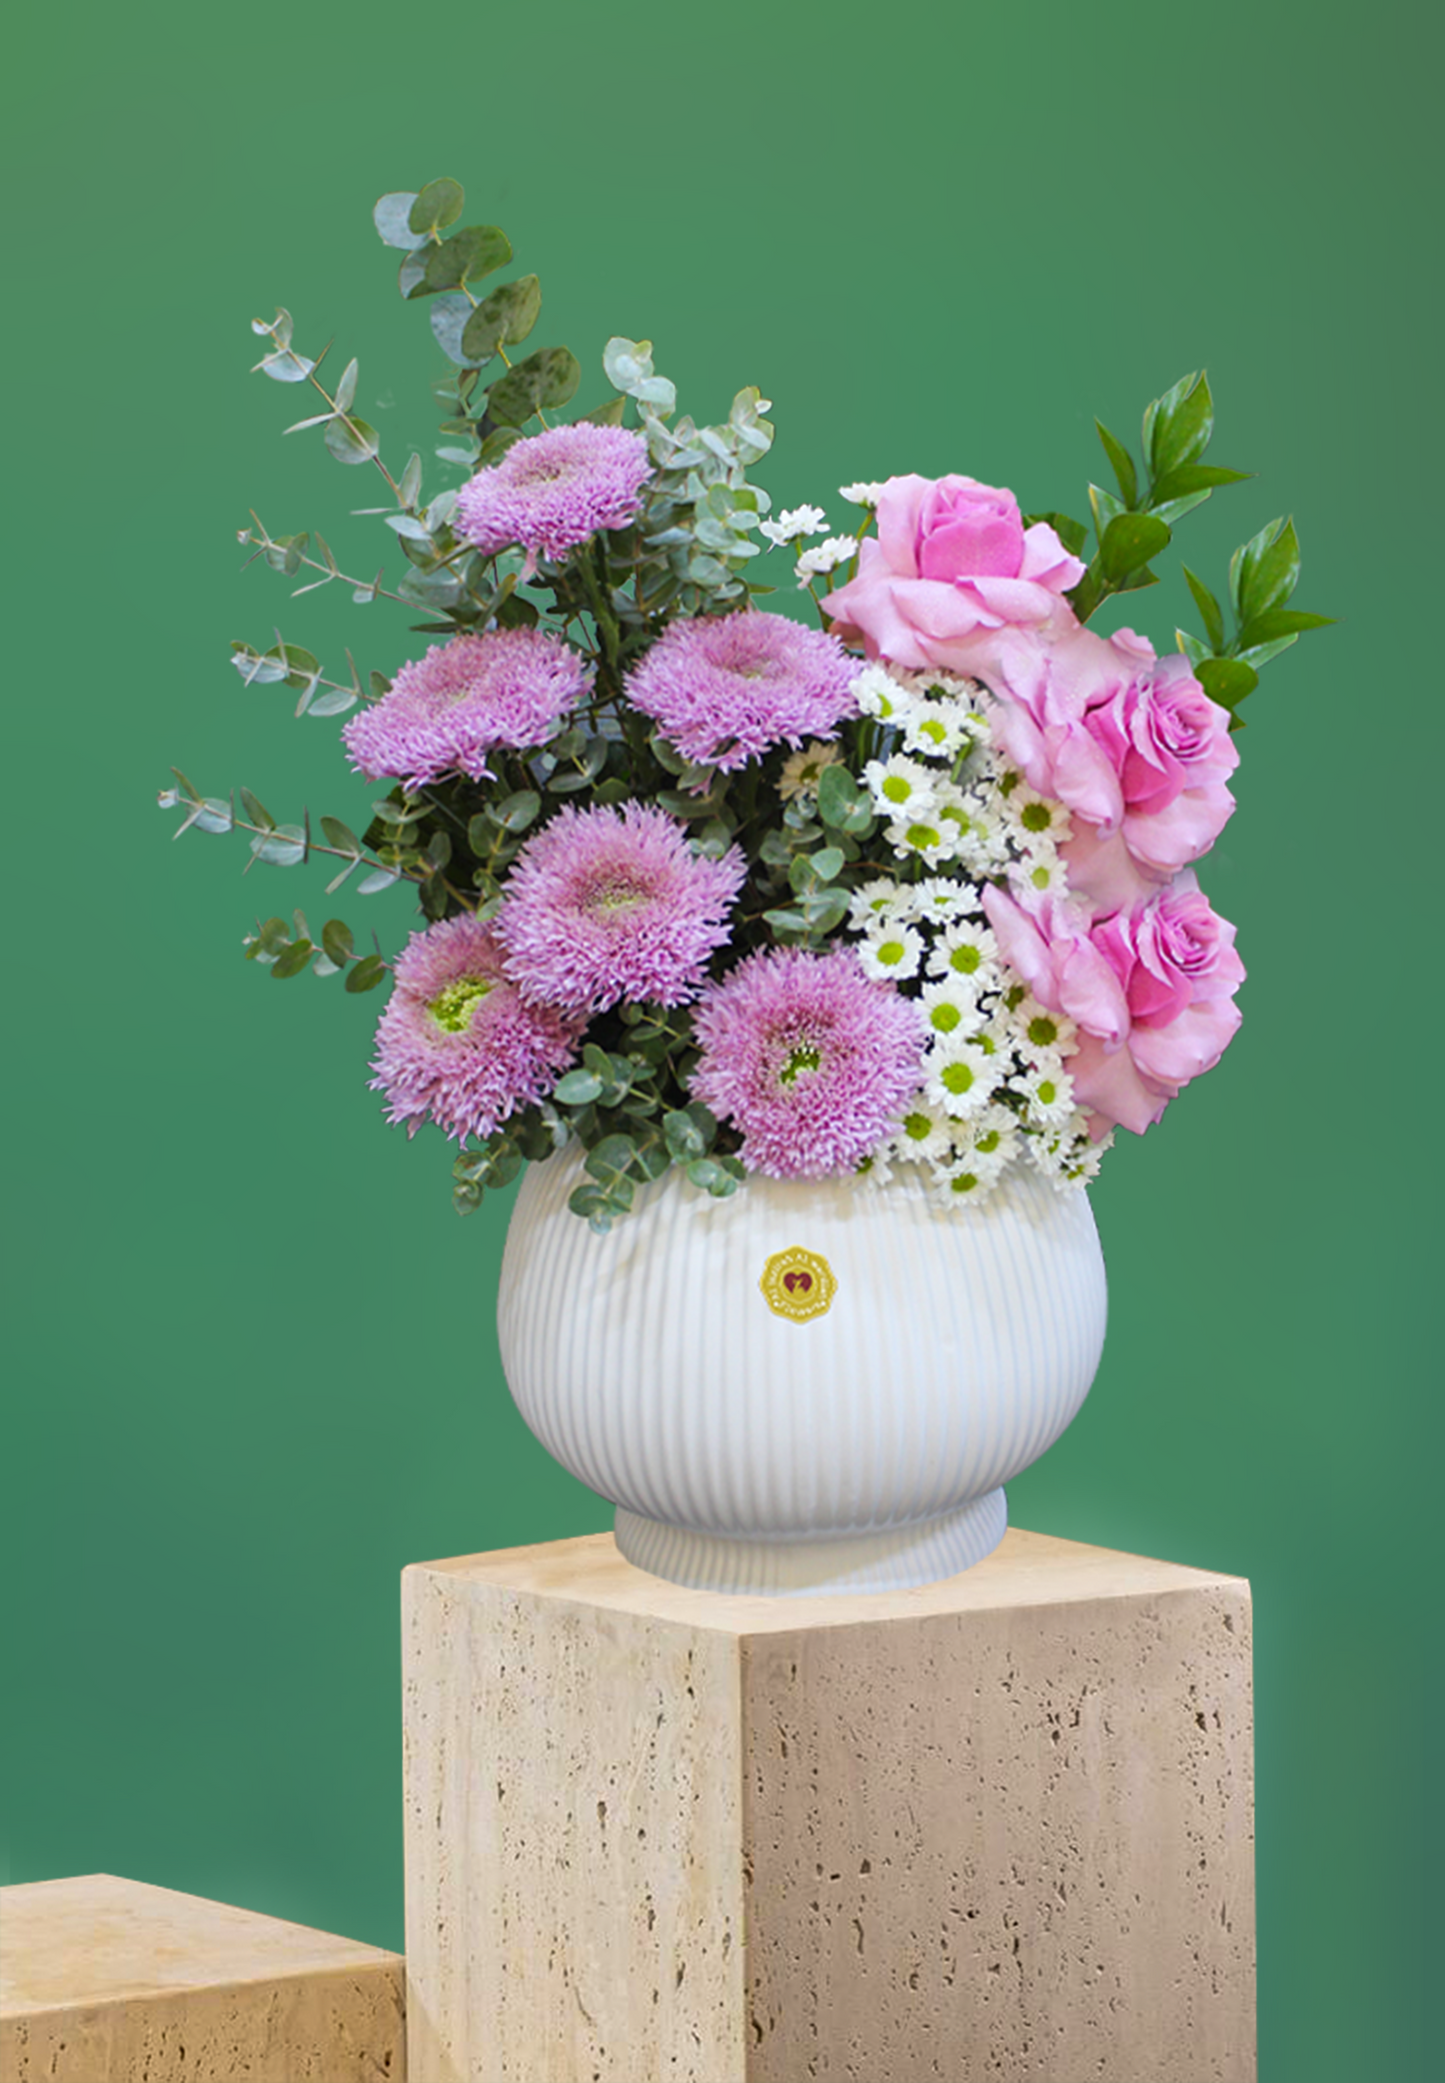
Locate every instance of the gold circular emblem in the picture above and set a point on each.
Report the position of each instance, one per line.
(798, 1284)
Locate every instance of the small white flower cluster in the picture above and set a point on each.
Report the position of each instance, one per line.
(996, 1087)
(825, 557)
(796, 521)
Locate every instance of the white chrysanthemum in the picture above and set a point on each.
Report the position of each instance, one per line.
(961, 1078)
(924, 1134)
(940, 901)
(880, 899)
(1039, 819)
(799, 520)
(893, 951)
(880, 693)
(968, 950)
(861, 494)
(803, 770)
(937, 731)
(925, 839)
(901, 788)
(1042, 1033)
(1046, 874)
(1049, 1092)
(993, 1139)
(964, 1183)
(877, 1168)
(950, 1010)
(824, 557)
(1083, 1164)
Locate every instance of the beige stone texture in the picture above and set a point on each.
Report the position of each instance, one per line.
(104, 1980)
(994, 1830)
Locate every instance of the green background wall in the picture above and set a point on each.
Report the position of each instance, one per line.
(253, 1367)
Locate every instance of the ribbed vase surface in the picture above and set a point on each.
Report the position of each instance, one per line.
(812, 1386)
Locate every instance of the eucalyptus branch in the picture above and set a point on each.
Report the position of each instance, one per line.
(293, 555)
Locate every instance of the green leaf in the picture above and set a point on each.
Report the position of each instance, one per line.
(1129, 541)
(1226, 680)
(366, 974)
(1105, 507)
(1177, 426)
(609, 1163)
(352, 440)
(256, 810)
(438, 205)
(346, 389)
(293, 959)
(509, 313)
(595, 1205)
(840, 799)
(1275, 623)
(285, 847)
(1192, 478)
(515, 813)
(1072, 534)
(449, 315)
(1123, 465)
(1208, 607)
(340, 836)
(685, 1136)
(412, 272)
(1264, 571)
(336, 939)
(465, 257)
(608, 415)
(579, 1088)
(392, 218)
(1194, 648)
(547, 378)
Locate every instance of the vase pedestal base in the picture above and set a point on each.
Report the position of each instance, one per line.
(997, 1827)
(898, 1559)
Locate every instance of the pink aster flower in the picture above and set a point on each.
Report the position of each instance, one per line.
(457, 1043)
(813, 1059)
(552, 490)
(444, 713)
(726, 687)
(606, 906)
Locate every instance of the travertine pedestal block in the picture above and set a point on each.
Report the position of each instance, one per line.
(113, 1981)
(998, 1827)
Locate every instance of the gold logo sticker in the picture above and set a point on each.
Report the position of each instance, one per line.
(798, 1284)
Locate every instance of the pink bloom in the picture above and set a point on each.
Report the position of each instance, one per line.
(552, 490)
(810, 1057)
(1151, 989)
(724, 688)
(444, 713)
(457, 1043)
(952, 563)
(610, 905)
(1130, 744)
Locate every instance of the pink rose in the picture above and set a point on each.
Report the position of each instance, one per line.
(1130, 744)
(1151, 990)
(952, 563)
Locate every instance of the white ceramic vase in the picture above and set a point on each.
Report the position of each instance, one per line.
(812, 1386)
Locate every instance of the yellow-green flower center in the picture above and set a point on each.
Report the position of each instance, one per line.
(454, 1004)
(801, 1057)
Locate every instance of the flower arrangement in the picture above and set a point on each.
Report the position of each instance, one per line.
(704, 886)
